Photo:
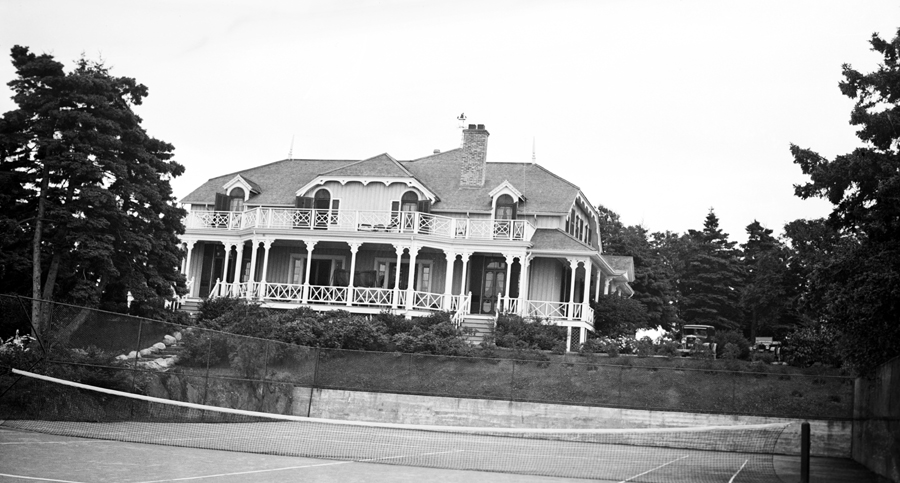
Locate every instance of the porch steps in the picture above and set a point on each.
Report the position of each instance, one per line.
(482, 325)
(191, 306)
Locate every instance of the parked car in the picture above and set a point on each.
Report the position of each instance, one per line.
(697, 334)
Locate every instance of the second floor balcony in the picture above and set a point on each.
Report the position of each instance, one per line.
(401, 222)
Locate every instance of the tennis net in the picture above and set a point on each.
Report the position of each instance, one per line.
(720, 454)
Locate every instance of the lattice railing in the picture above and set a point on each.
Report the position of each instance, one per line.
(284, 291)
(377, 297)
(357, 221)
(327, 295)
(428, 301)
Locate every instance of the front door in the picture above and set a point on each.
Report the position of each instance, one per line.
(493, 284)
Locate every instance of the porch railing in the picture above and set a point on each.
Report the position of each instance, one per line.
(546, 309)
(362, 221)
(339, 296)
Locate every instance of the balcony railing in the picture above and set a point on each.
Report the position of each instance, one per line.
(405, 222)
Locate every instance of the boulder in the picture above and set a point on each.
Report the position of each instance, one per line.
(148, 351)
(177, 335)
(133, 355)
(159, 346)
(169, 340)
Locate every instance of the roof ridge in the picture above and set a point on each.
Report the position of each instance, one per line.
(431, 155)
(235, 173)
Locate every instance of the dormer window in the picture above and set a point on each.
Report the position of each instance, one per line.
(409, 201)
(236, 200)
(506, 208)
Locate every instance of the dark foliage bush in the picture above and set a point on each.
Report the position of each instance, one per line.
(809, 345)
(742, 345)
(512, 330)
(213, 308)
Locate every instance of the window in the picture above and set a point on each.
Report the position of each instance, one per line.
(506, 208)
(409, 201)
(322, 200)
(236, 200)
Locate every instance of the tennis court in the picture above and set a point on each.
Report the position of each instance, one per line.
(63, 431)
(28, 456)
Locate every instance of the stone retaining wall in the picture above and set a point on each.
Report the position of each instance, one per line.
(829, 438)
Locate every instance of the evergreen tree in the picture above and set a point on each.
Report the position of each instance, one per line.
(768, 295)
(858, 287)
(91, 198)
(653, 279)
(711, 278)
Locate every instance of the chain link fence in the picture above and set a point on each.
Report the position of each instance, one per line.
(208, 367)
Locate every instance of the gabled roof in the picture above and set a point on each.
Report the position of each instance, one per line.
(278, 182)
(545, 191)
(622, 264)
(554, 239)
(380, 166)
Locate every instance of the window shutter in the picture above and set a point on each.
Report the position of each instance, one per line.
(335, 204)
(515, 211)
(424, 206)
(303, 202)
(395, 206)
(222, 202)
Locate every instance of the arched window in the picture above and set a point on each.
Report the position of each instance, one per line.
(409, 201)
(322, 200)
(506, 208)
(236, 200)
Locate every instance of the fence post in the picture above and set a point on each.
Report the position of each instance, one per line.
(315, 381)
(804, 452)
(512, 381)
(137, 353)
(206, 376)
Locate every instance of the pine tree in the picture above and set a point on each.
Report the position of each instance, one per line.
(93, 193)
(711, 278)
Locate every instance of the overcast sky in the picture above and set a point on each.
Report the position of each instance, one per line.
(659, 110)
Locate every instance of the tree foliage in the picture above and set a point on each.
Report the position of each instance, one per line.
(86, 194)
(770, 291)
(857, 286)
(653, 275)
(710, 279)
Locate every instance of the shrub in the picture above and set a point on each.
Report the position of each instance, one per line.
(764, 357)
(742, 345)
(213, 308)
(667, 347)
(644, 347)
(809, 345)
(731, 351)
(512, 329)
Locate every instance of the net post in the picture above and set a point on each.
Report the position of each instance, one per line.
(804, 452)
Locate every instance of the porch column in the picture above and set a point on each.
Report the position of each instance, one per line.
(569, 338)
(395, 297)
(509, 261)
(410, 285)
(309, 249)
(187, 263)
(573, 263)
(606, 286)
(582, 336)
(448, 279)
(462, 282)
(262, 279)
(587, 293)
(523, 285)
(227, 256)
(237, 262)
(354, 247)
(254, 248)
(597, 286)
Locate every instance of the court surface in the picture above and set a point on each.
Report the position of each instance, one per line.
(27, 456)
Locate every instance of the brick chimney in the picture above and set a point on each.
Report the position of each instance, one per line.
(474, 150)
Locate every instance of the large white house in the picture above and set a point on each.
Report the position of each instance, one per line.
(449, 231)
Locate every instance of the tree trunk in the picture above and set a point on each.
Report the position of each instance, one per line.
(36, 258)
(49, 285)
(66, 332)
